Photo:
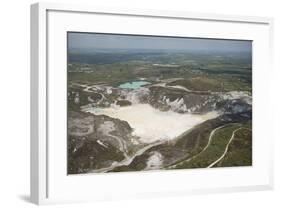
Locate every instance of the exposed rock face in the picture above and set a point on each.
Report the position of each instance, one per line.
(123, 103)
(182, 101)
(166, 98)
(96, 141)
(139, 95)
(179, 100)
(234, 106)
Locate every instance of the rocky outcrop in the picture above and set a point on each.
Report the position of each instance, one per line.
(123, 103)
(182, 101)
(96, 141)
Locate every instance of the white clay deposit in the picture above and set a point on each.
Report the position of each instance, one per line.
(151, 124)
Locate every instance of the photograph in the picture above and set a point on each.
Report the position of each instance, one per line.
(144, 102)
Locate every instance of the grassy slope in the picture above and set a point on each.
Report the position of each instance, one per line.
(240, 149)
(217, 147)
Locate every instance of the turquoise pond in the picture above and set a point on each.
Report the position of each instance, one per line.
(133, 85)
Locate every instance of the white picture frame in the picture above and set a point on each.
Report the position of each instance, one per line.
(49, 184)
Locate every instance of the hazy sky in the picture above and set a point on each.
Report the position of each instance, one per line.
(104, 41)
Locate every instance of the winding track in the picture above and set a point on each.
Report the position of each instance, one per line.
(208, 144)
(122, 145)
(226, 148)
(126, 161)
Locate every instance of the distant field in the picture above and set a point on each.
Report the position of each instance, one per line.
(202, 73)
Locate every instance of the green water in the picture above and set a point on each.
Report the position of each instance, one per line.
(133, 85)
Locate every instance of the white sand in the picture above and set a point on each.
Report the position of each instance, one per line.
(154, 161)
(151, 124)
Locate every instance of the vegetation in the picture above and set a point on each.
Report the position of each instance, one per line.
(203, 72)
(240, 149)
(239, 152)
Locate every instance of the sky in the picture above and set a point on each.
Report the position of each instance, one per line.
(113, 41)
